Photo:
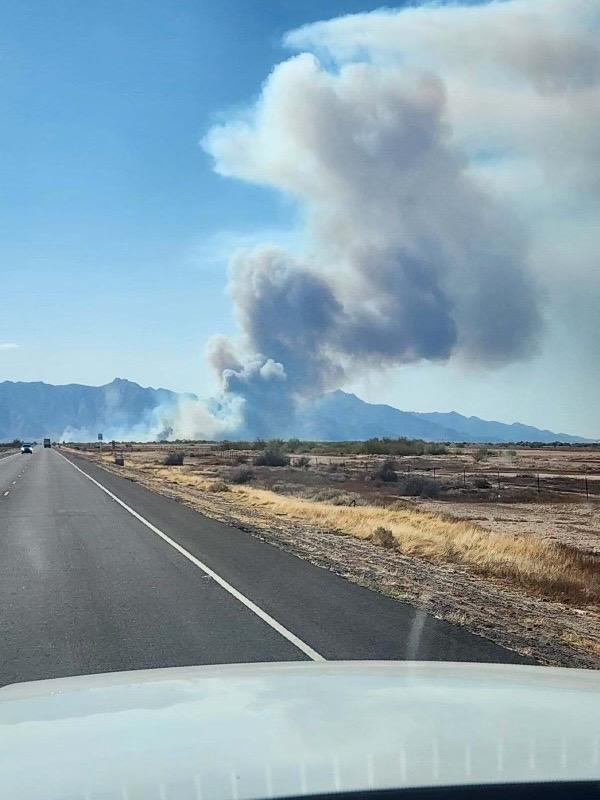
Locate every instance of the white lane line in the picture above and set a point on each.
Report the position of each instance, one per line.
(6, 493)
(291, 637)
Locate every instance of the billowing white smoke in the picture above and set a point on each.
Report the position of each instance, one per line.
(430, 150)
(187, 417)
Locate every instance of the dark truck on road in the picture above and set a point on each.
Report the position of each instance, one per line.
(47, 443)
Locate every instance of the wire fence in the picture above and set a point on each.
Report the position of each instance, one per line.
(587, 484)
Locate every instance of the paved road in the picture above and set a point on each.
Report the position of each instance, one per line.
(86, 586)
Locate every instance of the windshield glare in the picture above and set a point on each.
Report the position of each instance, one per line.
(298, 355)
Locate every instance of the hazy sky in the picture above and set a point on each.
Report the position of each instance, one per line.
(117, 229)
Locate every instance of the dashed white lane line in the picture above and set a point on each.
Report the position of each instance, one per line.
(6, 493)
(291, 637)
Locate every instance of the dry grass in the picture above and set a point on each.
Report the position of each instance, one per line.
(218, 486)
(584, 642)
(545, 568)
(181, 477)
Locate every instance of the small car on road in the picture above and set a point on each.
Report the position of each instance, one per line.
(26, 448)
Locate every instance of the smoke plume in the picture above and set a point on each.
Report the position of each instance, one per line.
(420, 146)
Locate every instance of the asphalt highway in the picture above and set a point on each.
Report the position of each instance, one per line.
(99, 574)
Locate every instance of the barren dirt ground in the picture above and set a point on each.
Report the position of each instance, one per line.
(552, 631)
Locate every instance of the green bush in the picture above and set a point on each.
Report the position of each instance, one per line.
(436, 449)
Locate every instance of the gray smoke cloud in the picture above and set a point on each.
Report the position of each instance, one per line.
(408, 256)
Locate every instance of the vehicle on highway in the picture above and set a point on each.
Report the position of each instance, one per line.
(26, 448)
(305, 729)
(47, 443)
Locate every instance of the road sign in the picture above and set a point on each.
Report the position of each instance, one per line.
(99, 437)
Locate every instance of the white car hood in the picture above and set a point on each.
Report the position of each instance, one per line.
(257, 731)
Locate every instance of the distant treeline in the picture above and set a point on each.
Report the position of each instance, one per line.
(384, 446)
(376, 446)
(387, 447)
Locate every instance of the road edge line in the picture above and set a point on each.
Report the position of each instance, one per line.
(245, 601)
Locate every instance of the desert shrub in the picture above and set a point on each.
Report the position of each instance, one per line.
(383, 537)
(272, 457)
(398, 447)
(385, 472)
(481, 483)
(436, 449)
(241, 474)
(173, 460)
(511, 453)
(419, 486)
(481, 454)
(217, 486)
(303, 461)
(332, 467)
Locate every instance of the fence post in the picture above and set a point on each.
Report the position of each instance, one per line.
(538, 483)
(498, 479)
(464, 476)
(587, 492)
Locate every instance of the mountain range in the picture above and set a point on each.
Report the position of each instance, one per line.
(339, 415)
(124, 410)
(34, 410)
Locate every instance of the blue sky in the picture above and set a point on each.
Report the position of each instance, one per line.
(115, 228)
(110, 208)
